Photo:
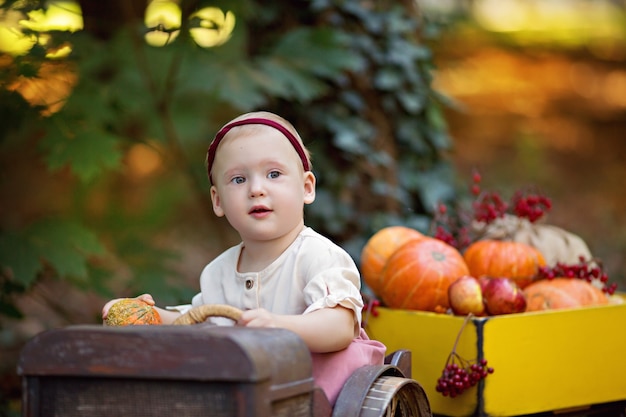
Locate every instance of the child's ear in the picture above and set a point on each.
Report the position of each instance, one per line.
(215, 199)
(309, 187)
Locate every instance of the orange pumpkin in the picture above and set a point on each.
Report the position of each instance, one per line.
(559, 293)
(498, 258)
(131, 311)
(418, 274)
(379, 248)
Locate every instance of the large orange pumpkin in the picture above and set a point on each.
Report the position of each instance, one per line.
(499, 258)
(131, 311)
(418, 274)
(559, 293)
(379, 248)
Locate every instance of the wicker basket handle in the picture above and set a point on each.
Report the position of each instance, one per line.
(201, 313)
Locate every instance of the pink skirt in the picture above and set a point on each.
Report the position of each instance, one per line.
(332, 369)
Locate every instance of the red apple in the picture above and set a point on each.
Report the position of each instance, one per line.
(503, 296)
(465, 296)
(483, 282)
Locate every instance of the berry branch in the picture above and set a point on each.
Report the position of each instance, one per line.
(460, 374)
(590, 270)
(370, 309)
(453, 225)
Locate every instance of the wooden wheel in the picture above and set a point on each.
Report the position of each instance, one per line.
(392, 396)
(201, 313)
(381, 391)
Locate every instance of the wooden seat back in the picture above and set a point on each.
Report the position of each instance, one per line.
(154, 371)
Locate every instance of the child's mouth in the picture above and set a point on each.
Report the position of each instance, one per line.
(259, 210)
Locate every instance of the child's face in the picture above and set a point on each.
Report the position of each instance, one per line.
(260, 185)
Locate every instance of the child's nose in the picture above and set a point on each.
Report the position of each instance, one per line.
(257, 186)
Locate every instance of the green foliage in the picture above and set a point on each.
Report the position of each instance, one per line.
(354, 80)
(87, 149)
(64, 244)
(13, 108)
(379, 141)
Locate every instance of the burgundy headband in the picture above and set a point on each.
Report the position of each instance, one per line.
(255, 121)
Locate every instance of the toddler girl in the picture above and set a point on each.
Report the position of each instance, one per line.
(283, 273)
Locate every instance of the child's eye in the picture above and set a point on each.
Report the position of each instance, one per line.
(273, 174)
(238, 180)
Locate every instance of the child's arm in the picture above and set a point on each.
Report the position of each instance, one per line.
(167, 316)
(324, 330)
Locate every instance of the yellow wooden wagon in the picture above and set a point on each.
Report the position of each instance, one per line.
(553, 362)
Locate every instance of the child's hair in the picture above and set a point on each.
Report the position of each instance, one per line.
(260, 118)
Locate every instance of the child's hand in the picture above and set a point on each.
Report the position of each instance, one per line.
(259, 317)
(147, 298)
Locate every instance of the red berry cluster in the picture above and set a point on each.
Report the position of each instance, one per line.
(588, 269)
(531, 206)
(489, 206)
(370, 308)
(453, 225)
(450, 228)
(457, 377)
(460, 374)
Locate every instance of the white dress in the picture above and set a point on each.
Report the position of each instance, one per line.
(311, 274)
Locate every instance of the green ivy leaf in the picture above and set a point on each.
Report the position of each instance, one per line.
(239, 87)
(388, 79)
(348, 134)
(434, 185)
(319, 51)
(87, 150)
(411, 102)
(20, 257)
(64, 244)
(295, 84)
(67, 246)
(435, 117)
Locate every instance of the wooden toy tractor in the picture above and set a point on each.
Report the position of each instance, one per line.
(199, 370)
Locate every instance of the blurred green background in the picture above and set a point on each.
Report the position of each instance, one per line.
(107, 109)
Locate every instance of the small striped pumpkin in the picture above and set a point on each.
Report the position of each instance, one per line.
(130, 312)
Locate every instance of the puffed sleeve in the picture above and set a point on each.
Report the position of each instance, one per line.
(338, 286)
